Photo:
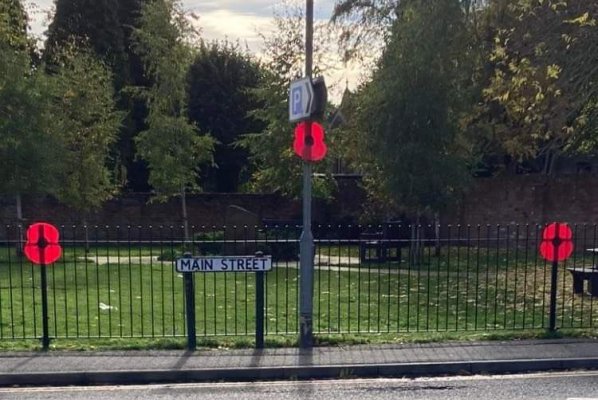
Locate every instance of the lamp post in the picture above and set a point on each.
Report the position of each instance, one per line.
(306, 259)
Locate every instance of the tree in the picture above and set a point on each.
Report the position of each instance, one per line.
(93, 23)
(540, 98)
(28, 149)
(13, 24)
(368, 25)
(87, 121)
(106, 26)
(275, 167)
(220, 80)
(172, 146)
(407, 116)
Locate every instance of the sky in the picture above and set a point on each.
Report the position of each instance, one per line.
(225, 19)
(233, 19)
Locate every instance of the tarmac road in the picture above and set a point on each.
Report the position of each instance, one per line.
(547, 386)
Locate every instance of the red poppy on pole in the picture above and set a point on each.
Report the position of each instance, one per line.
(310, 148)
(557, 243)
(42, 244)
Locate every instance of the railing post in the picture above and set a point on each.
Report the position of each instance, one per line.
(45, 330)
(553, 293)
(190, 308)
(259, 310)
(44, 283)
(553, 281)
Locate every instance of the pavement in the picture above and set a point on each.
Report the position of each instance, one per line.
(62, 368)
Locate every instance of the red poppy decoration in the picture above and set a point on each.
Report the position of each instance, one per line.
(557, 243)
(42, 244)
(310, 147)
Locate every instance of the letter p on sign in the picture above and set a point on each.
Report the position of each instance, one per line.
(297, 101)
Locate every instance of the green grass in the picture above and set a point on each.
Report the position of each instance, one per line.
(452, 259)
(231, 342)
(141, 300)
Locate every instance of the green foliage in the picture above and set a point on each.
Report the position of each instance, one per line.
(85, 117)
(13, 25)
(173, 150)
(29, 158)
(407, 116)
(219, 102)
(93, 23)
(106, 27)
(280, 242)
(276, 168)
(171, 145)
(540, 97)
(210, 243)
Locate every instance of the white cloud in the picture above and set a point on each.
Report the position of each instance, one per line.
(39, 13)
(234, 20)
(220, 24)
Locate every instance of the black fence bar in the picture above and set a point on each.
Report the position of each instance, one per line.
(45, 339)
(259, 310)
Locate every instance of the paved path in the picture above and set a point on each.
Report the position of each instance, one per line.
(380, 360)
(324, 263)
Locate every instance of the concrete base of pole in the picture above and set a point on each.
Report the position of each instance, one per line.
(306, 336)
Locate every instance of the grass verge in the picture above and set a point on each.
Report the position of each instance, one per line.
(227, 343)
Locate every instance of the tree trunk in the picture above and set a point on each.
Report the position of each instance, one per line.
(549, 162)
(20, 230)
(85, 233)
(416, 243)
(185, 218)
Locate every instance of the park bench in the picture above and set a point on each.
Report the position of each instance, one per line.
(582, 274)
(384, 242)
(376, 247)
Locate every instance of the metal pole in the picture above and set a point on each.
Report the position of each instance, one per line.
(189, 288)
(44, 283)
(45, 331)
(190, 310)
(553, 290)
(553, 281)
(259, 310)
(307, 240)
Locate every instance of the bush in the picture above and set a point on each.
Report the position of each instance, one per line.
(210, 243)
(281, 242)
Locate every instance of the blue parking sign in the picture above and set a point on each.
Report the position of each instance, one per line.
(300, 99)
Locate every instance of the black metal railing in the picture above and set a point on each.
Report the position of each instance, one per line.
(120, 282)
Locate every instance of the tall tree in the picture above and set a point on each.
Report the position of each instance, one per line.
(13, 24)
(86, 119)
(106, 26)
(96, 23)
(220, 80)
(172, 145)
(275, 167)
(367, 25)
(540, 98)
(29, 157)
(407, 116)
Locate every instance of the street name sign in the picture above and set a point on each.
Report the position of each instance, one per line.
(301, 96)
(224, 264)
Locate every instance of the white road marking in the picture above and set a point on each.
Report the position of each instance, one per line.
(321, 383)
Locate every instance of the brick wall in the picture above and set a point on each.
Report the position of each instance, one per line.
(514, 199)
(134, 209)
(528, 199)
